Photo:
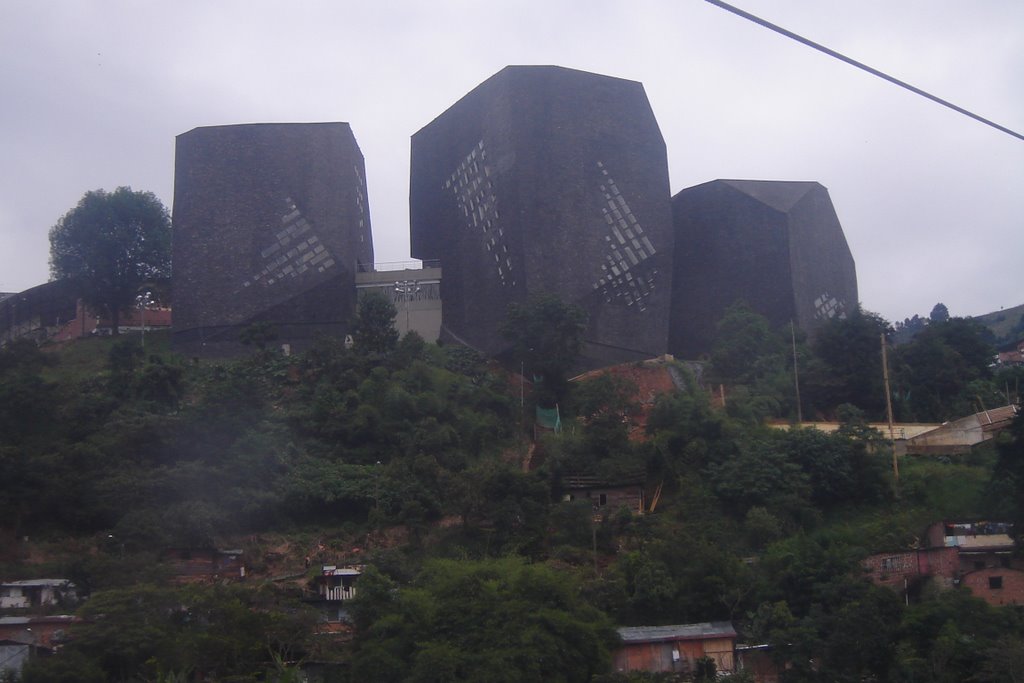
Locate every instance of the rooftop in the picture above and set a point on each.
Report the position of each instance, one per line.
(655, 634)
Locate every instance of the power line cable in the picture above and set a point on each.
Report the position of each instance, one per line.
(860, 65)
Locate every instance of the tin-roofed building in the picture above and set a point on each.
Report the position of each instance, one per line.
(548, 180)
(776, 245)
(675, 648)
(271, 224)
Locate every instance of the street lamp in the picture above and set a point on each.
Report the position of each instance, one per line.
(142, 301)
(405, 290)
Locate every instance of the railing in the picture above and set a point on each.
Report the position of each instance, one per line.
(400, 265)
(339, 593)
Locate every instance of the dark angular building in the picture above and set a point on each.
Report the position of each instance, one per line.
(270, 225)
(548, 180)
(776, 245)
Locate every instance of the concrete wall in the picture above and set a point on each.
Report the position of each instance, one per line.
(416, 293)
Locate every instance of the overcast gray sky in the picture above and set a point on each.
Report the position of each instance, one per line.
(932, 203)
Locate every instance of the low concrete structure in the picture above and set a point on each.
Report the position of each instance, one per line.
(959, 436)
(416, 293)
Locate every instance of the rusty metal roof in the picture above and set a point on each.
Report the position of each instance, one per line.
(656, 634)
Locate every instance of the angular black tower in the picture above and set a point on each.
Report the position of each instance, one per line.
(548, 180)
(270, 225)
(776, 245)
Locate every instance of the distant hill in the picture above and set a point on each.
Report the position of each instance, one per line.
(1005, 324)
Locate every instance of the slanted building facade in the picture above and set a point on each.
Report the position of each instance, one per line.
(271, 223)
(776, 245)
(546, 180)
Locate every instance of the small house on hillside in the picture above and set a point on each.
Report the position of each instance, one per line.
(36, 593)
(1011, 354)
(606, 495)
(337, 583)
(904, 570)
(333, 587)
(22, 638)
(978, 544)
(205, 564)
(675, 648)
(974, 555)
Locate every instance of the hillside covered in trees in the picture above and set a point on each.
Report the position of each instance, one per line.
(407, 458)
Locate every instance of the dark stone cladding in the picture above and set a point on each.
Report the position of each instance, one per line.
(777, 245)
(270, 225)
(548, 180)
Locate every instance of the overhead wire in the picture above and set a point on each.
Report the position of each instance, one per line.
(860, 65)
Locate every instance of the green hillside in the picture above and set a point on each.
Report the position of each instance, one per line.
(1006, 324)
(122, 467)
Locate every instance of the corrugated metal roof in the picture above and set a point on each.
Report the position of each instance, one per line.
(654, 634)
(56, 583)
(51, 619)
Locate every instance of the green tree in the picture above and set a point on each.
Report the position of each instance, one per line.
(746, 348)
(1008, 474)
(374, 329)
(935, 374)
(215, 632)
(496, 620)
(847, 364)
(110, 244)
(939, 314)
(756, 362)
(547, 336)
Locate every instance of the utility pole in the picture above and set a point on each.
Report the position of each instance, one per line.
(796, 375)
(888, 408)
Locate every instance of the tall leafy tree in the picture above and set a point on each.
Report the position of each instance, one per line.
(111, 244)
(547, 336)
(938, 371)
(495, 620)
(746, 348)
(847, 365)
(374, 329)
(939, 314)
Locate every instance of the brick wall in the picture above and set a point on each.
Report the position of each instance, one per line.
(998, 586)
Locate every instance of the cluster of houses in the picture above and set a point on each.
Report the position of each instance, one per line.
(975, 555)
(25, 628)
(969, 554)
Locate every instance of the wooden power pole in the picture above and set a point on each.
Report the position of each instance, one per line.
(888, 408)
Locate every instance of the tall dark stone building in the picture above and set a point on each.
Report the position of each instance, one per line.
(270, 225)
(776, 245)
(545, 179)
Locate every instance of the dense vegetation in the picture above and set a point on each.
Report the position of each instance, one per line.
(477, 570)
